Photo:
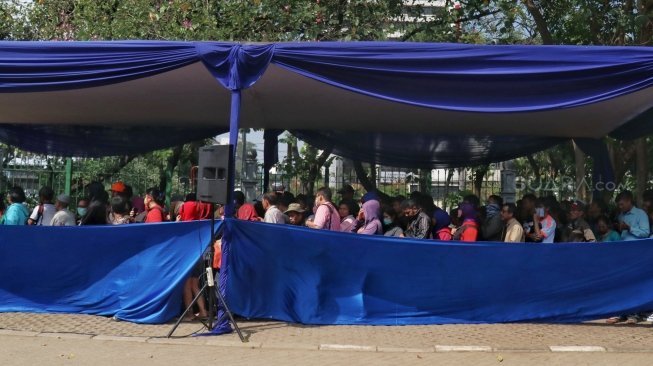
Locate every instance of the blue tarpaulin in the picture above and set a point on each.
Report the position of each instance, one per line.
(135, 272)
(320, 277)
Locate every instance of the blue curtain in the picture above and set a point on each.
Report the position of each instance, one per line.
(135, 272)
(320, 277)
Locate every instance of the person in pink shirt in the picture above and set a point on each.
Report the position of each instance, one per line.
(369, 219)
(348, 210)
(326, 214)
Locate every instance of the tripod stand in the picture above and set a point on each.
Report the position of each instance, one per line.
(211, 290)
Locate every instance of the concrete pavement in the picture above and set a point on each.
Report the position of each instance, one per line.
(272, 340)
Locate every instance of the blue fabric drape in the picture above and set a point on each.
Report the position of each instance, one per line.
(97, 141)
(502, 78)
(43, 66)
(342, 278)
(474, 78)
(234, 65)
(135, 272)
(425, 151)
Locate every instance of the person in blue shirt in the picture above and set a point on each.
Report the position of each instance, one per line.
(633, 222)
(17, 213)
(604, 232)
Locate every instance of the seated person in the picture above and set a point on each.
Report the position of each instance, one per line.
(468, 230)
(513, 231)
(578, 230)
(441, 222)
(492, 226)
(295, 215)
(391, 224)
(119, 211)
(544, 226)
(368, 219)
(604, 230)
(348, 211)
(419, 224)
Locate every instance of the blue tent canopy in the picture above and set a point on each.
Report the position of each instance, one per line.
(395, 103)
(448, 103)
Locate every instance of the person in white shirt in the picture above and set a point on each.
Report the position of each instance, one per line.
(44, 212)
(63, 217)
(272, 213)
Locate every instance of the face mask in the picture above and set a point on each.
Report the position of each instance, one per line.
(387, 221)
(540, 211)
(81, 211)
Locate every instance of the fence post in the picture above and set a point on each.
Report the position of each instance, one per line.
(2, 177)
(69, 175)
(508, 182)
(168, 192)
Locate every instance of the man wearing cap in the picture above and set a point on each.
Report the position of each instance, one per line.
(295, 214)
(63, 217)
(346, 193)
(118, 188)
(579, 230)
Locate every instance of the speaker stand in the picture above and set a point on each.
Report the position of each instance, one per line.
(211, 290)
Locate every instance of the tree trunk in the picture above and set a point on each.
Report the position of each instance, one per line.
(641, 168)
(540, 22)
(479, 175)
(579, 159)
(165, 178)
(314, 171)
(368, 184)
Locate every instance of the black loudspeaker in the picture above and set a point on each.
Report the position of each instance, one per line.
(213, 173)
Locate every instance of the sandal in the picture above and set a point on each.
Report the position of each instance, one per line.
(633, 319)
(616, 319)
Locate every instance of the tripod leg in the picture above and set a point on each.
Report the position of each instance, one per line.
(181, 318)
(228, 312)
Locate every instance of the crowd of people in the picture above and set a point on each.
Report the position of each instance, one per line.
(117, 207)
(530, 219)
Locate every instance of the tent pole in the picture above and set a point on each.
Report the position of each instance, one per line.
(224, 326)
(234, 123)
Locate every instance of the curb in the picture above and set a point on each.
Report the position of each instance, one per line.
(217, 342)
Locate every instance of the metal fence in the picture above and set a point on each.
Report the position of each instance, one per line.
(71, 175)
(446, 186)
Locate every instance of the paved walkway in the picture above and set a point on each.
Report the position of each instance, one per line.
(274, 335)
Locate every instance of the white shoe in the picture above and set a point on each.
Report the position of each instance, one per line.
(650, 318)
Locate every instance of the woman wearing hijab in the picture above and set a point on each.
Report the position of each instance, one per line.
(16, 213)
(369, 218)
(468, 231)
(441, 229)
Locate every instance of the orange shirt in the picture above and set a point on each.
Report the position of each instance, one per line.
(471, 231)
